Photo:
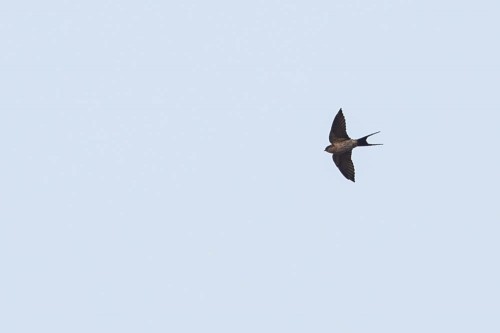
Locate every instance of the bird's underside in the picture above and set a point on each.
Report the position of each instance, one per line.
(342, 145)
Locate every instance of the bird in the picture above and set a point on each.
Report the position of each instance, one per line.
(342, 145)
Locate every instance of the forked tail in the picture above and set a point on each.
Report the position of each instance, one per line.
(362, 141)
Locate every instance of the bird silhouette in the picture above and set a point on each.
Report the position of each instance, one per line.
(342, 145)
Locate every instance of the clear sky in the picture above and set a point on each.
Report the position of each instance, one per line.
(163, 166)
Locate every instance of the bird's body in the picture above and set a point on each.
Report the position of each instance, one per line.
(342, 145)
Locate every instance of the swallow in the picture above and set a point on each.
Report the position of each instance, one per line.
(342, 145)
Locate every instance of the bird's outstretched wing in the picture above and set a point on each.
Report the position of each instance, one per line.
(345, 165)
(338, 130)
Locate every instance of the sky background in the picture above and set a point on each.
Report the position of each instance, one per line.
(163, 166)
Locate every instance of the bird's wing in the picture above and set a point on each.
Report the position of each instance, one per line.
(345, 165)
(338, 127)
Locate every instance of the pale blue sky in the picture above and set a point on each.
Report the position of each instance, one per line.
(163, 166)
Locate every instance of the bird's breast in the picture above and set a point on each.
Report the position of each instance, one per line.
(339, 147)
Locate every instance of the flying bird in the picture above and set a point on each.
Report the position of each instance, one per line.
(342, 145)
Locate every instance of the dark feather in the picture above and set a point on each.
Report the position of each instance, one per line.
(338, 130)
(345, 165)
